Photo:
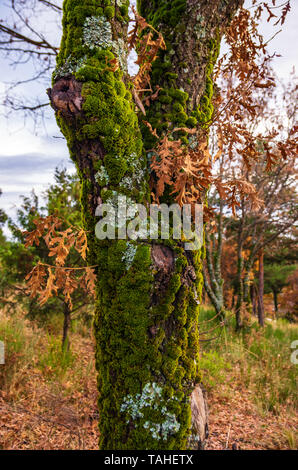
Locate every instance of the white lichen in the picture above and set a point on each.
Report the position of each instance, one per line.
(102, 176)
(193, 142)
(151, 397)
(136, 180)
(129, 255)
(97, 33)
(70, 67)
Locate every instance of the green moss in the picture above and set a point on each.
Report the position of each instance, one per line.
(109, 12)
(205, 110)
(176, 107)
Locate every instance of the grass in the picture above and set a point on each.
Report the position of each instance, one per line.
(259, 358)
(48, 396)
(55, 361)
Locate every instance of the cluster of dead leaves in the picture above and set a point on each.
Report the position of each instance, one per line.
(284, 8)
(247, 82)
(45, 281)
(188, 172)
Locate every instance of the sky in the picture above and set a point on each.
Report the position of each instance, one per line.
(28, 159)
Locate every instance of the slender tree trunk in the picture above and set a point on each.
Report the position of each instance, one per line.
(239, 280)
(66, 326)
(146, 318)
(253, 295)
(204, 296)
(212, 272)
(261, 289)
(246, 289)
(275, 298)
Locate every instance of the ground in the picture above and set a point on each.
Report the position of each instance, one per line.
(48, 399)
(235, 423)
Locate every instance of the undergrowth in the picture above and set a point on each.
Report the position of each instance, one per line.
(258, 358)
(48, 396)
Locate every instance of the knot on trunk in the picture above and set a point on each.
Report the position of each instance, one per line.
(164, 264)
(66, 96)
(163, 258)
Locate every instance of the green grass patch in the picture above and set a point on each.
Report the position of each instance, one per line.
(260, 359)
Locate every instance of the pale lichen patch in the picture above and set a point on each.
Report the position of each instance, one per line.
(151, 398)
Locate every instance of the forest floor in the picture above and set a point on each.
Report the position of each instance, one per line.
(48, 398)
(236, 423)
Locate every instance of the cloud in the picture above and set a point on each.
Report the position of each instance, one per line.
(21, 173)
(30, 163)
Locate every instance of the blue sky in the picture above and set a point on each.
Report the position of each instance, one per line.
(28, 160)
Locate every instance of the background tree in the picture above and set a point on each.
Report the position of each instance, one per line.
(276, 278)
(61, 199)
(3, 219)
(268, 137)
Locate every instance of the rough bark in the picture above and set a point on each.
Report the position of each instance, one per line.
(146, 318)
(253, 295)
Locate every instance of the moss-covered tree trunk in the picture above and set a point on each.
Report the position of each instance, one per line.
(146, 319)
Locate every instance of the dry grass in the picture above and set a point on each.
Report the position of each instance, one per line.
(236, 422)
(252, 386)
(43, 406)
(48, 399)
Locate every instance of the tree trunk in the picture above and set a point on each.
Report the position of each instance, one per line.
(214, 288)
(239, 279)
(261, 289)
(253, 295)
(66, 325)
(275, 298)
(146, 318)
(239, 290)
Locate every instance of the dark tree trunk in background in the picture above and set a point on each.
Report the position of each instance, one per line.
(275, 298)
(66, 326)
(261, 289)
(146, 318)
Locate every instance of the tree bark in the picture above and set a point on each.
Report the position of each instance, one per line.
(261, 289)
(146, 318)
(275, 298)
(214, 288)
(239, 280)
(66, 325)
(253, 295)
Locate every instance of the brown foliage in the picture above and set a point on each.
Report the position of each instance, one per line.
(147, 45)
(46, 281)
(245, 73)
